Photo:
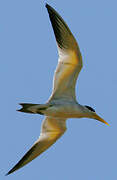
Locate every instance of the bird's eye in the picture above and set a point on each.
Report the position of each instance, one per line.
(90, 108)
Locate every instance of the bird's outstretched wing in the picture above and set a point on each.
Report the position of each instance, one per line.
(70, 59)
(52, 129)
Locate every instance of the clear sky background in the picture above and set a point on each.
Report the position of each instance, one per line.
(28, 57)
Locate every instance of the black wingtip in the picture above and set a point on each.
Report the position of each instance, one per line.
(11, 171)
(47, 5)
(49, 8)
(8, 173)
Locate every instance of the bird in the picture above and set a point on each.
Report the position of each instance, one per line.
(62, 103)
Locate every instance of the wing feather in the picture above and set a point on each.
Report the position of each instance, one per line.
(52, 129)
(70, 59)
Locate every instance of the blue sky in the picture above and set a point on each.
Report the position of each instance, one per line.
(28, 57)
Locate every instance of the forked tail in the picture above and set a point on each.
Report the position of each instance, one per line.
(33, 108)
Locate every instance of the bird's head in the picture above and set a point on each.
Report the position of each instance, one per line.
(92, 114)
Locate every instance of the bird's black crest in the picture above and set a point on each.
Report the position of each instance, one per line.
(90, 108)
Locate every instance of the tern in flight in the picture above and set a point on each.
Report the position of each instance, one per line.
(62, 103)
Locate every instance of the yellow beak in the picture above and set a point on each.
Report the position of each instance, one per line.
(100, 119)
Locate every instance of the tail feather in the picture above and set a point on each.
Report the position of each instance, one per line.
(25, 107)
(29, 108)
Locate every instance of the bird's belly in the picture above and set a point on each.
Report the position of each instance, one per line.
(63, 112)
